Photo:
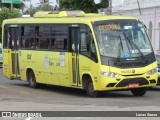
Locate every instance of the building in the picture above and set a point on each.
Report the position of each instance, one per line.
(148, 11)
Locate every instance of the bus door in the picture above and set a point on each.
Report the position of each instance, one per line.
(14, 38)
(75, 39)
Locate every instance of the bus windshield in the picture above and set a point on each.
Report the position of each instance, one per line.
(122, 38)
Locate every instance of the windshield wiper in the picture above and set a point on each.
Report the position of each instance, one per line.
(119, 51)
(142, 55)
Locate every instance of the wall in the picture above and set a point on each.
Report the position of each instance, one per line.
(148, 16)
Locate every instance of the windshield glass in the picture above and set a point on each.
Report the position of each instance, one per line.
(122, 38)
(158, 58)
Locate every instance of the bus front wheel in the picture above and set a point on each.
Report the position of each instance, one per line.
(90, 89)
(139, 91)
(32, 80)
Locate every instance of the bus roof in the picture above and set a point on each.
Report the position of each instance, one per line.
(64, 17)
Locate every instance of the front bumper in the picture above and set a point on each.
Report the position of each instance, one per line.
(107, 84)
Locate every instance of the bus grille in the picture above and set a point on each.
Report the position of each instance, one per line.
(126, 82)
(130, 64)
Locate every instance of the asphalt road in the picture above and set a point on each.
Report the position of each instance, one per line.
(18, 96)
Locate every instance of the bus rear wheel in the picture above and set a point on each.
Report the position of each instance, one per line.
(139, 91)
(32, 80)
(90, 89)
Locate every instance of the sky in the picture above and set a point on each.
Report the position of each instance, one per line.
(117, 2)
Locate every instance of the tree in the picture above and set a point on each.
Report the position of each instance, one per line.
(45, 7)
(41, 7)
(5, 13)
(87, 6)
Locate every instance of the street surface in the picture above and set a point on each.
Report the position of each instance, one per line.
(18, 96)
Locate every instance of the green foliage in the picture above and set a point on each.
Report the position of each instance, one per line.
(87, 6)
(45, 7)
(5, 13)
(41, 7)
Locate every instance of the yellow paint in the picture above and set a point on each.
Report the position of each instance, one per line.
(55, 74)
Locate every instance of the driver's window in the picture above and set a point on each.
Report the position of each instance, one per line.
(83, 42)
(87, 43)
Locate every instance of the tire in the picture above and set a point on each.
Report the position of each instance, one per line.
(139, 91)
(90, 89)
(32, 80)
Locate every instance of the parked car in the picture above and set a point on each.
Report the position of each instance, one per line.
(0, 57)
(158, 60)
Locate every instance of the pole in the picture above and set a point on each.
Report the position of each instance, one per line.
(58, 2)
(110, 5)
(30, 5)
(139, 7)
(11, 5)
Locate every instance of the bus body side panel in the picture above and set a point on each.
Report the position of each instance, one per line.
(57, 69)
(22, 64)
(89, 67)
(7, 67)
(48, 67)
(32, 60)
(39, 65)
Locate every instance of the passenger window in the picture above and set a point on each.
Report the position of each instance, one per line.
(45, 37)
(27, 40)
(59, 34)
(44, 43)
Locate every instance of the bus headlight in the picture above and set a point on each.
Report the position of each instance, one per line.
(150, 72)
(110, 74)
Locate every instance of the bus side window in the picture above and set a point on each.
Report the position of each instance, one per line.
(31, 43)
(43, 34)
(37, 31)
(22, 42)
(6, 43)
(44, 43)
(37, 43)
(6, 37)
(22, 37)
(10, 39)
(65, 44)
(87, 46)
(52, 43)
(83, 42)
(59, 34)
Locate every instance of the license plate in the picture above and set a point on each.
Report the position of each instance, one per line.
(133, 85)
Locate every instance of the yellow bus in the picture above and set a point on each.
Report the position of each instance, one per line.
(74, 49)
